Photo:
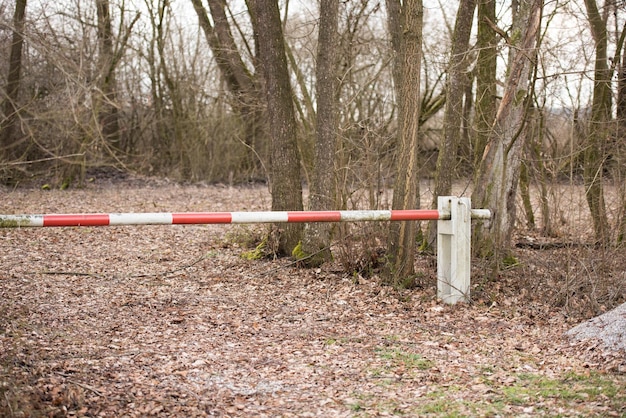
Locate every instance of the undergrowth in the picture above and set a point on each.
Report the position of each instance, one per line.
(582, 281)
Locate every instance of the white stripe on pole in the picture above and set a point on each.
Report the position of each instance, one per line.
(140, 219)
(369, 215)
(259, 217)
(16, 221)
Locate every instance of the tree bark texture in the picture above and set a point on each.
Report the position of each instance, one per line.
(456, 83)
(405, 26)
(285, 181)
(9, 141)
(455, 90)
(498, 177)
(620, 151)
(486, 66)
(599, 125)
(317, 236)
(106, 106)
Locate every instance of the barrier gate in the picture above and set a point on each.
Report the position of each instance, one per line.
(453, 216)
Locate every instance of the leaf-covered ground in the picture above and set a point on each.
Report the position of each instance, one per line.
(172, 321)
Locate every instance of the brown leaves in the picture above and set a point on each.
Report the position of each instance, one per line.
(229, 337)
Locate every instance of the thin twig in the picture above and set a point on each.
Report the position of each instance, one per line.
(67, 273)
(85, 386)
(41, 160)
(170, 272)
(134, 276)
(82, 385)
(9, 404)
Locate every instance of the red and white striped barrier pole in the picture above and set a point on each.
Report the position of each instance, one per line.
(182, 218)
(453, 214)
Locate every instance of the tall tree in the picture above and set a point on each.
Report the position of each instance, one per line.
(108, 117)
(620, 151)
(8, 138)
(405, 22)
(456, 83)
(110, 53)
(486, 67)
(317, 236)
(285, 181)
(498, 177)
(242, 84)
(599, 124)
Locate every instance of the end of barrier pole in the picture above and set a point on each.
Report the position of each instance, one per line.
(481, 214)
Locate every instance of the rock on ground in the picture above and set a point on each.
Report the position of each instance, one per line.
(609, 328)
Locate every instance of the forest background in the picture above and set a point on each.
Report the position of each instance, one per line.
(508, 101)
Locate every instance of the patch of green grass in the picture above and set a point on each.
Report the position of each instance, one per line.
(435, 407)
(438, 403)
(573, 394)
(582, 390)
(355, 407)
(530, 388)
(392, 338)
(366, 405)
(447, 402)
(336, 341)
(407, 359)
(516, 395)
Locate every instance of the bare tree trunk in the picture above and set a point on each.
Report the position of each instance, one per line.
(108, 117)
(599, 125)
(241, 82)
(620, 151)
(285, 181)
(497, 180)
(8, 140)
(538, 158)
(405, 26)
(317, 236)
(454, 113)
(486, 65)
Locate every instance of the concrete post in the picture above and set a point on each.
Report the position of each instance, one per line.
(453, 249)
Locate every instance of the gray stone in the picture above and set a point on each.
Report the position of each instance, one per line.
(608, 328)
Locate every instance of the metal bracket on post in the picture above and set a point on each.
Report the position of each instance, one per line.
(453, 249)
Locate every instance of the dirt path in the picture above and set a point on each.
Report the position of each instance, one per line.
(171, 321)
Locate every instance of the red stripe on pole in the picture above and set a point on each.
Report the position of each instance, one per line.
(415, 215)
(89, 219)
(202, 218)
(317, 216)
